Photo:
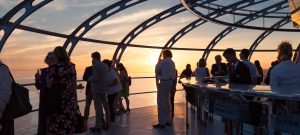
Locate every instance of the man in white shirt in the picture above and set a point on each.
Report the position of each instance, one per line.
(166, 72)
(286, 73)
(99, 86)
(253, 70)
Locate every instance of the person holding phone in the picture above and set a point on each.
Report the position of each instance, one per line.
(41, 84)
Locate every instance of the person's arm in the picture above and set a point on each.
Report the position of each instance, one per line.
(255, 78)
(247, 77)
(5, 88)
(225, 70)
(207, 72)
(274, 82)
(115, 80)
(182, 75)
(38, 84)
(212, 70)
(158, 69)
(86, 74)
(93, 77)
(51, 76)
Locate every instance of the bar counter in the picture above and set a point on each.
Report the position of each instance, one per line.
(270, 110)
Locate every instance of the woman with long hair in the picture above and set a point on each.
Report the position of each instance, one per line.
(260, 72)
(61, 83)
(125, 85)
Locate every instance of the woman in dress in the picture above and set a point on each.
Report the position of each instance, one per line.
(65, 110)
(260, 72)
(125, 85)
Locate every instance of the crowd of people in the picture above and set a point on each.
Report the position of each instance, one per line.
(108, 85)
(59, 112)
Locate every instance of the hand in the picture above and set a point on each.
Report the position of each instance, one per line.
(80, 86)
(37, 74)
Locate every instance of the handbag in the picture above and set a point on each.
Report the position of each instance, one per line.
(81, 124)
(19, 104)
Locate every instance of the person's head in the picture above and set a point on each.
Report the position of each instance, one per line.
(50, 59)
(95, 57)
(167, 54)
(188, 66)
(285, 51)
(230, 55)
(61, 55)
(121, 67)
(257, 63)
(218, 59)
(202, 63)
(244, 54)
(108, 63)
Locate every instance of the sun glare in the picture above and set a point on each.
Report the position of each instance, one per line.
(153, 59)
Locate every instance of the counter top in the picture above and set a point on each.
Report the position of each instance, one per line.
(290, 93)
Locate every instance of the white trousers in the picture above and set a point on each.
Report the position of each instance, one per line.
(164, 102)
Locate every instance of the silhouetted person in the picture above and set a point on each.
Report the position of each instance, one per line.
(62, 80)
(173, 92)
(201, 71)
(124, 78)
(166, 72)
(6, 127)
(267, 78)
(260, 72)
(41, 84)
(239, 72)
(99, 86)
(114, 87)
(244, 55)
(219, 68)
(286, 73)
(187, 72)
(88, 94)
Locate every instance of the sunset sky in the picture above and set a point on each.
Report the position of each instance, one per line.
(25, 51)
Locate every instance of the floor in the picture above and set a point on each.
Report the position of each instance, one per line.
(139, 122)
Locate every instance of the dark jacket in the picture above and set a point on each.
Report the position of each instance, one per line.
(87, 74)
(214, 69)
(241, 75)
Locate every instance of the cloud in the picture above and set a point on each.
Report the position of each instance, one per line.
(133, 17)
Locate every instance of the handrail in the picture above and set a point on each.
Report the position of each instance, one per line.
(137, 93)
(31, 84)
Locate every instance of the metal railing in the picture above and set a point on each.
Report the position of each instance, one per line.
(79, 101)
